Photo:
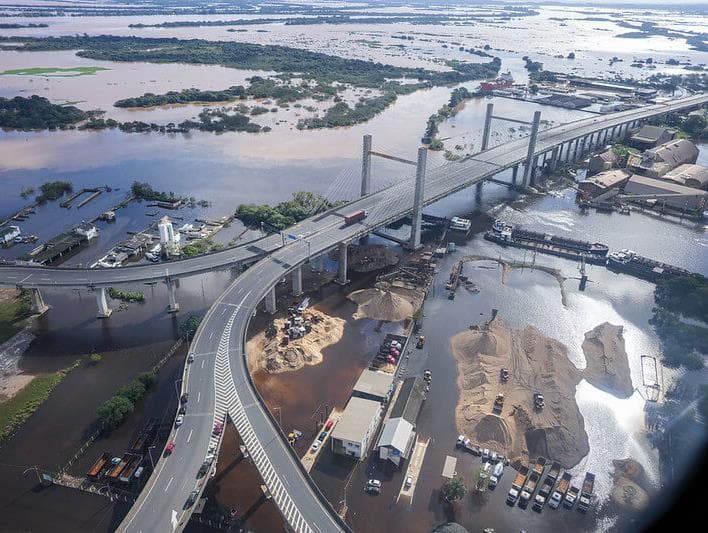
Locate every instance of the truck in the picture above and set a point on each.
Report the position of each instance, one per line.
(546, 487)
(586, 493)
(97, 467)
(532, 482)
(498, 404)
(570, 497)
(130, 468)
(561, 489)
(496, 475)
(118, 465)
(517, 484)
(356, 216)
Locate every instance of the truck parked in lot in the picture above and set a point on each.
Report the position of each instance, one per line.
(516, 485)
(99, 465)
(532, 482)
(570, 497)
(546, 487)
(559, 493)
(586, 493)
(496, 475)
(356, 216)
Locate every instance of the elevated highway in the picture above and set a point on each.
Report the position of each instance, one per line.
(219, 375)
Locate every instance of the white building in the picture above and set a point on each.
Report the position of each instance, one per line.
(86, 230)
(372, 385)
(396, 441)
(8, 234)
(352, 435)
(169, 238)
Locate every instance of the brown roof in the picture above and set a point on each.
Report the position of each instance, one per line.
(639, 184)
(689, 175)
(608, 179)
(650, 134)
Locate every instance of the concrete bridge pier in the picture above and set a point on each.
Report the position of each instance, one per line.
(575, 150)
(297, 281)
(270, 301)
(534, 170)
(103, 310)
(514, 174)
(532, 148)
(342, 267)
(173, 306)
(555, 155)
(38, 305)
(414, 242)
(487, 126)
(366, 166)
(318, 263)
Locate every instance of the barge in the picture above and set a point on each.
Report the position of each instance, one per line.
(508, 235)
(630, 262)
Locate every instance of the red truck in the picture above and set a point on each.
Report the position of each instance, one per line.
(356, 216)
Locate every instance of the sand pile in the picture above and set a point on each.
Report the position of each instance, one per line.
(370, 257)
(630, 484)
(607, 365)
(385, 303)
(274, 357)
(536, 364)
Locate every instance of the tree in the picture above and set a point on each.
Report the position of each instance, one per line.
(454, 489)
(113, 411)
(148, 379)
(188, 328)
(95, 358)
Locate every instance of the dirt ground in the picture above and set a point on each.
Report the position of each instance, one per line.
(631, 489)
(536, 364)
(607, 365)
(370, 257)
(270, 354)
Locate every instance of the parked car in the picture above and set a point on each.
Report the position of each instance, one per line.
(178, 422)
(218, 428)
(373, 486)
(169, 448)
(322, 436)
(183, 409)
(328, 425)
(192, 498)
(184, 398)
(190, 358)
(409, 482)
(315, 446)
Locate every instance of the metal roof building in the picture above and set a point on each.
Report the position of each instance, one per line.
(683, 198)
(689, 175)
(373, 385)
(396, 440)
(656, 162)
(356, 427)
(410, 400)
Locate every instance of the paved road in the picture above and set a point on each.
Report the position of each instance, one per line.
(218, 381)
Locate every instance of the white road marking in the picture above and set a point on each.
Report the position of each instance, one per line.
(211, 335)
(169, 483)
(202, 363)
(175, 521)
(199, 396)
(189, 437)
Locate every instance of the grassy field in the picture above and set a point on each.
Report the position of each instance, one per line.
(19, 408)
(54, 71)
(12, 308)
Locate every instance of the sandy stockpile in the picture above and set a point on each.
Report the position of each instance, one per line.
(275, 357)
(384, 302)
(629, 490)
(12, 379)
(607, 365)
(370, 257)
(536, 364)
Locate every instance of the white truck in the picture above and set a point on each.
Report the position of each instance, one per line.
(496, 475)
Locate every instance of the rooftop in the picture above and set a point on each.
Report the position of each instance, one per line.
(410, 400)
(356, 419)
(689, 175)
(668, 186)
(609, 178)
(649, 134)
(396, 434)
(374, 383)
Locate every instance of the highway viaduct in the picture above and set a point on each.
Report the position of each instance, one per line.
(220, 375)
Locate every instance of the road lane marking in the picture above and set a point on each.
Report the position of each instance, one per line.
(189, 437)
(202, 363)
(169, 483)
(199, 396)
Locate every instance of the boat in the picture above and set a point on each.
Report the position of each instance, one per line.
(460, 224)
(508, 235)
(503, 81)
(632, 263)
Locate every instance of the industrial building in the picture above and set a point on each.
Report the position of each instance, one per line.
(169, 238)
(8, 234)
(650, 136)
(353, 433)
(565, 101)
(603, 182)
(601, 162)
(375, 386)
(86, 230)
(695, 176)
(398, 435)
(656, 162)
(685, 199)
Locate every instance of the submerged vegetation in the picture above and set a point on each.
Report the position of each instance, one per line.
(185, 96)
(457, 96)
(13, 310)
(302, 205)
(684, 341)
(113, 412)
(53, 190)
(37, 112)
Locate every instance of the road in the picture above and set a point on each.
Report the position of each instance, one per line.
(218, 380)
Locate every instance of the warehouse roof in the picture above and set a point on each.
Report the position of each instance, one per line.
(608, 179)
(689, 175)
(356, 419)
(371, 383)
(410, 400)
(397, 434)
(641, 184)
(649, 134)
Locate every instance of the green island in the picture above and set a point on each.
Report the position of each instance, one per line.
(53, 190)
(684, 341)
(143, 191)
(302, 205)
(457, 96)
(113, 412)
(69, 72)
(13, 309)
(185, 96)
(341, 114)
(200, 247)
(126, 296)
(15, 26)
(37, 112)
